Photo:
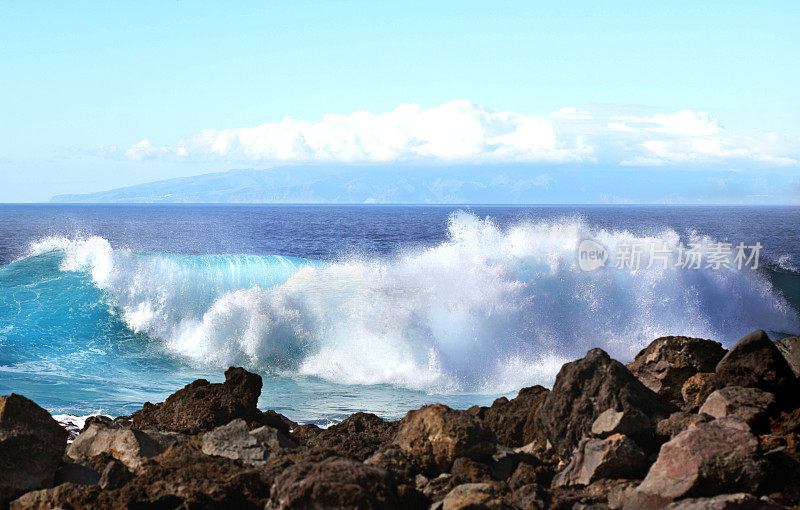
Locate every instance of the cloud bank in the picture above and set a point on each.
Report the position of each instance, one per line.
(465, 132)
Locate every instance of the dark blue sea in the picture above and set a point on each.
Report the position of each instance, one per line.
(365, 308)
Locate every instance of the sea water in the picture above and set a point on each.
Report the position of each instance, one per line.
(360, 308)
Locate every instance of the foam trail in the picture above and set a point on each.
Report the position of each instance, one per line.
(490, 309)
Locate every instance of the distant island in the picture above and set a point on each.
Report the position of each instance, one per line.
(344, 185)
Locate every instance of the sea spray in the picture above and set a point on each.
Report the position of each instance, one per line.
(490, 309)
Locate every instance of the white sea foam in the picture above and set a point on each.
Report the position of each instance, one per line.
(490, 309)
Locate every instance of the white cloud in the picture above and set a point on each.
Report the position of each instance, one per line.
(461, 131)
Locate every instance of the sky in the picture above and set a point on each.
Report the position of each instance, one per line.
(99, 95)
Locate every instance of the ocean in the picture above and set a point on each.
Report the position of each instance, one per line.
(366, 308)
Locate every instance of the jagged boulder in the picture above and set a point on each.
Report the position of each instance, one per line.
(666, 364)
(587, 387)
(201, 406)
(749, 404)
(334, 483)
(632, 423)
(435, 435)
(236, 441)
(512, 421)
(31, 446)
(470, 496)
(677, 422)
(358, 437)
(720, 456)
(790, 348)
(739, 501)
(594, 459)
(756, 362)
(698, 387)
(132, 447)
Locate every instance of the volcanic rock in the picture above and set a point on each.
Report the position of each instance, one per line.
(201, 406)
(132, 447)
(614, 457)
(698, 387)
(757, 363)
(334, 483)
(740, 501)
(666, 364)
(790, 348)
(749, 404)
(677, 422)
(235, 441)
(585, 388)
(435, 435)
(720, 456)
(470, 496)
(31, 446)
(512, 421)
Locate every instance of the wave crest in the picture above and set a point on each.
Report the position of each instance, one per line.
(490, 309)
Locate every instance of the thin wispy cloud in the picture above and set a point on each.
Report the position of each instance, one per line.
(466, 132)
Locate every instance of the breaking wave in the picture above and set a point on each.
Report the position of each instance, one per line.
(490, 309)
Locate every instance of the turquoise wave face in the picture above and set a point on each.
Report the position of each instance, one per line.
(64, 344)
(87, 327)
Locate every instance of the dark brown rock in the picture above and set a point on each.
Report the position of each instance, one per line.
(740, 501)
(393, 460)
(594, 459)
(357, 437)
(466, 470)
(202, 406)
(720, 456)
(585, 388)
(666, 364)
(334, 483)
(756, 362)
(473, 496)
(76, 473)
(114, 475)
(698, 387)
(435, 435)
(512, 420)
(31, 446)
(749, 404)
(677, 422)
(181, 477)
(790, 348)
(632, 423)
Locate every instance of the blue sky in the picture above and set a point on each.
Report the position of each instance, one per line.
(100, 95)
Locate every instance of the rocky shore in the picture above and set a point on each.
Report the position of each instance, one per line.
(686, 425)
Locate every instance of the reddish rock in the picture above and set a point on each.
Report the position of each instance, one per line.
(585, 388)
(31, 446)
(740, 501)
(435, 435)
(698, 387)
(790, 348)
(720, 456)
(749, 404)
(670, 427)
(666, 364)
(756, 362)
(594, 459)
